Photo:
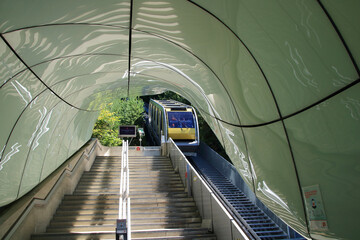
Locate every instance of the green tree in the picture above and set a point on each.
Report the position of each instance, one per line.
(104, 128)
(127, 110)
(116, 113)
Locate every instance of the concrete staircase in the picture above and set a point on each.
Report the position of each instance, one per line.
(160, 208)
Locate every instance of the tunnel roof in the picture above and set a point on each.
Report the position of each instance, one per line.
(277, 81)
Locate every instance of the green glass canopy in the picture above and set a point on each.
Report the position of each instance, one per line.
(277, 81)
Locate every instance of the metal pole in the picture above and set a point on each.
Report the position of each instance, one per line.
(121, 222)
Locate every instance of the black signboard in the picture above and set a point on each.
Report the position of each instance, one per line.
(127, 131)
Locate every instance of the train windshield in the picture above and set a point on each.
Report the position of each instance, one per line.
(181, 120)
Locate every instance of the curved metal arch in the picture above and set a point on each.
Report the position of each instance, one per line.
(198, 58)
(337, 30)
(30, 102)
(64, 24)
(36, 76)
(62, 57)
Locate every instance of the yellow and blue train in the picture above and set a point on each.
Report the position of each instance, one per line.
(174, 120)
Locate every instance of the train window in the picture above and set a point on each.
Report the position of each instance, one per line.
(158, 118)
(160, 125)
(181, 120)
(155, 117)
(152, 114)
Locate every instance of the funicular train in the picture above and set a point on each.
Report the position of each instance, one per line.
(174, 120)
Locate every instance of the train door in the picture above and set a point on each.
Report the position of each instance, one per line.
(160, 123)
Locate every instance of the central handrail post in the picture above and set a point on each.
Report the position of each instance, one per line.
(123, 222)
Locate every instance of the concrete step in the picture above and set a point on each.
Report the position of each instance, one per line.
(157, 194)
(135, 177)
(133, 187)
(96, 227)
(167, 209)
(114, 210)
(131, 167)
(161, 233)
(112, 219)
(135, 184)
(98, 206)
(75, 236)
(134, 201)
(132, 190)
(134, 181)
(133, 161)
(142, 173)
(132, 164)
(135, 171)
(71, 216)
(197, 233)
(150, 196)
(160, 207)
(132, 195)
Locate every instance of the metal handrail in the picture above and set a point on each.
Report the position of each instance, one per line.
(123, 224)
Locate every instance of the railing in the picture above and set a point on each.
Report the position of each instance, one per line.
(123, 223)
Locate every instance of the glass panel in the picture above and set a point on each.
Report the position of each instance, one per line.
(198, 46)
(346, 16)
(236, 149)
(66, 68)
(16, 95)
(151, 84)
(9, 64)
(54, 156)
(295, 44)
(38, 149)
(179, 70)
(81, 91)
(181, 120)
(28, 131)
(325, 141)
(37, 45)
(274, 174)
(23, 13)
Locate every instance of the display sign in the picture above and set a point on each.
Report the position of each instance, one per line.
(127, 131)
(315, 208)
(141, 132)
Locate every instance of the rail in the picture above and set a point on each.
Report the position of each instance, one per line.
(123, 223)
(215, 216)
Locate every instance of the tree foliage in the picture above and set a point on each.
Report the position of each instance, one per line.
(127, 110)
(119, 112)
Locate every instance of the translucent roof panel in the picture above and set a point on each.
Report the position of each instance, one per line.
(277, 81)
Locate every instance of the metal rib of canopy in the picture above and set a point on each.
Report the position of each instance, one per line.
(277, 81)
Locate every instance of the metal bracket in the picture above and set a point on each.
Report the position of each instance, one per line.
(121, 229)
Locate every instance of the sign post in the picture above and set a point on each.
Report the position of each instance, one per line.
(141, 134)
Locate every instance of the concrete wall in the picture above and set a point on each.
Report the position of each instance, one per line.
(33, 212)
